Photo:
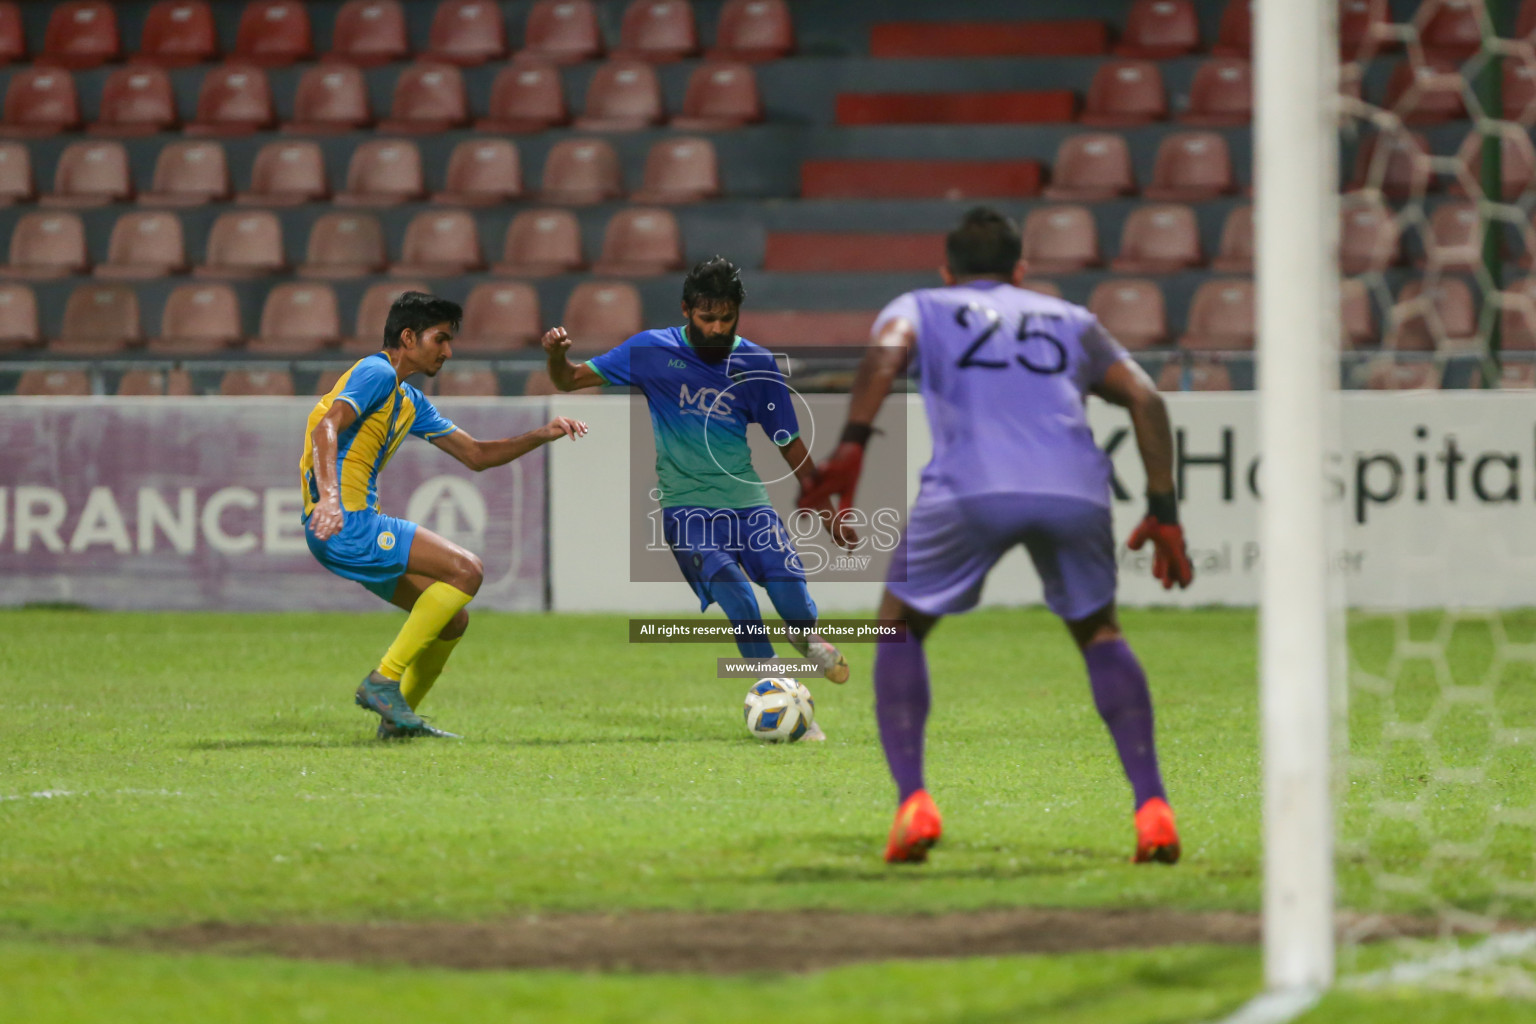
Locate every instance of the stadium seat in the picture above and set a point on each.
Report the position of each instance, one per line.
(720, 96)
(1222, 317)
(330, 97)
(287, 174)
(1449, 29)
(1235, 253)
(525, 97)
(99, 319)
(1517, 316)
(1517, 163)
(467, 32)
(177, 33)
(18, 318)
(1519, 90)
(274, 33)
(482, 172)
(1041, 287)
(47, 244)
(429, 97)
(40, 101)
(781, 329)
(578, 172)
(144, 245)
(373, 314)
(1525, 20)
(15, 174)
(601, 314)
(81, 34)
(640, 241)
(1357, 317)
(298, 318)
(1444, 317)
(680, 170)
(540, 243)
(198, 319)
(1234, 37)
(1397, 164)
(499, 316)
(1190, 167)
(91, 174)
(1368, 235)
(1454, 238)
(1125, 93)
(54, 383)
(1391, 375)
(1194, 375)
(564, 31)
(189, 174)
(235, 99)
(156, 384)
(369, 32)
(1132, 311)
(1221, 95)
(256, 383)
(383, 172)
(754, 30)
(244, 243)
(658, 30)
(136, 100)
(344, 245)
(1090, 168)
(440, 243)
(466, 383)
(13, 37)
(624, 95)
(1158, 239)
(1060, 239)
(1158, 29)
(1359, 22)
(1425, 94)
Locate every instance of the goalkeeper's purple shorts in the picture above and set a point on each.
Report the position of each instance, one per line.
(952, 543)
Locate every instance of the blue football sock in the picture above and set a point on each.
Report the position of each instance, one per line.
(792, 600)
(732, 591)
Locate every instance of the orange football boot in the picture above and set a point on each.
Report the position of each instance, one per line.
(1157, 838)
(916, 829)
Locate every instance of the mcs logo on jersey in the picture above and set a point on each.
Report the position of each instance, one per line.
(450, 507)
(704, 402)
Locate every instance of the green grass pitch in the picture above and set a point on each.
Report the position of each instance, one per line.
(170, 769)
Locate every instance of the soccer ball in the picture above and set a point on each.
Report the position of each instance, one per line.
(779, 710)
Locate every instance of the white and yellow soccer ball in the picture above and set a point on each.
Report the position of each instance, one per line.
(779, 710)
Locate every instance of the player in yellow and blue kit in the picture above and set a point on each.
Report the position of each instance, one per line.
(351, 435)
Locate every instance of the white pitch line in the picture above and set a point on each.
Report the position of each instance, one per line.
(1487, 953)
(1275, 1007)
(55, 794)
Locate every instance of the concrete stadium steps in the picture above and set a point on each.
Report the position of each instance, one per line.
(1077, 37)
(919, 179)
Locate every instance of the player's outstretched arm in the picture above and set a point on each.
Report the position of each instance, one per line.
(566, 375)
(326, 520)
(804, 467)
(483, 455)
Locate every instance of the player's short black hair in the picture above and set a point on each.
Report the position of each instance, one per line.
(716, 279)
(986, 242)
(416, 311)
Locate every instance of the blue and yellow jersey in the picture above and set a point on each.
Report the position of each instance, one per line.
(387, 410)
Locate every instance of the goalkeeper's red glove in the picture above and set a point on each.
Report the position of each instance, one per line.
(838, 478)
(1170, 560)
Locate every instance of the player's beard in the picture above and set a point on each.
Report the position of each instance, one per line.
(714, 353)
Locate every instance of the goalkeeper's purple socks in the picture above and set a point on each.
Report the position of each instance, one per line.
(1120, 693)
(901, 708)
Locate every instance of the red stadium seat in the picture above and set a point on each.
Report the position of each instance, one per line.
(344, 245)
(18, 318)
(99, 319)
(467, 32)
(1159, 29)
(1454, 240)
(624, 95)
(330, 97)
(564, 31)
(54, 383)
(1517, 316)
(189, 174)
(136, 100)
(244, 243)
(15, 174)
(369, 32)
(1060, 239)
(156, 384)
(680, 170)
(658, 30)
(540, 243)
(13, 38)
(1359, 25)
(1449, 29)
(1397, 164)
(1190, 167)
(440, 243)
(144, 245)
(298, 318)
(1092, 167)
(256, 383)
(1041, 286)
(198, 319)
(800, 329)
(1221, 95)
(235, 99)
(40, 101)
(1125, 93)
(1517, 163)
(91, 174)
(499, 316)
(720, 96)
(1235, 253)
(373, 314)
(274, 32)
(177, 33)
(1132, 311)
(467, 383)
(482, 172)
(1194, 375)
(600, 314)
(287, 174)
(1235, 36)
(1525, 20)
(754, 30)
(1358, 320)
(1158, 239)
(640, 241)
(1519, 91)
(525, 97)
(1390, 375)
(383, 172)
(1442, 317)
(47, 244)
(429, 97)
(1221, 317)
(81, 34)
(578, 172)
(1426, 93)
